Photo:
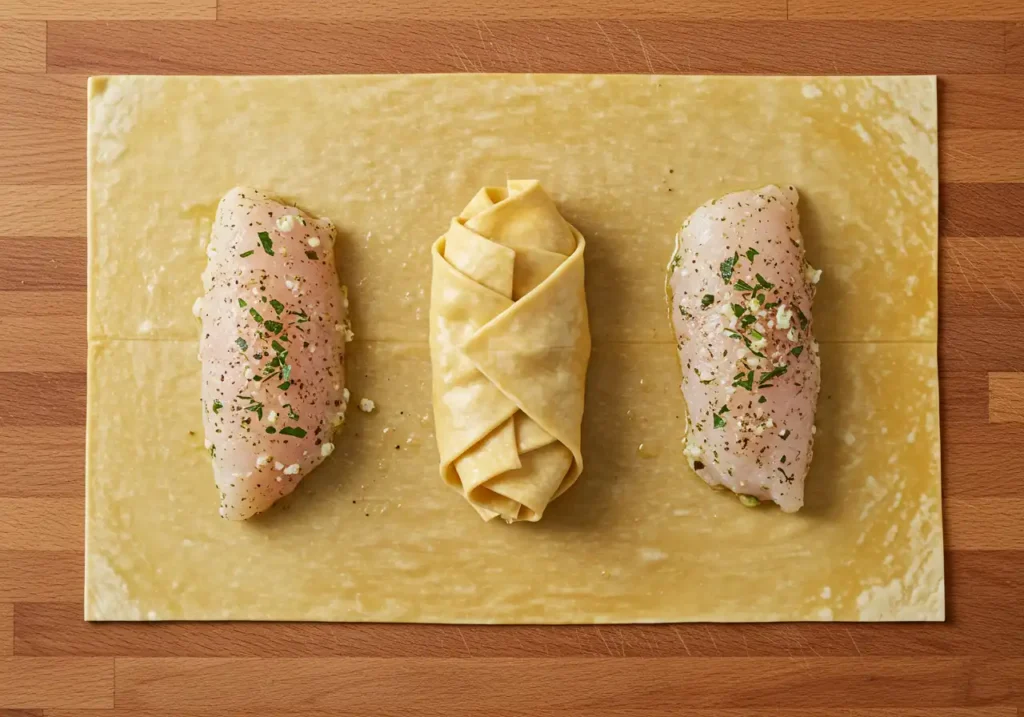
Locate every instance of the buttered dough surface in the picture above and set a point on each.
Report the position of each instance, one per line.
(373, 534)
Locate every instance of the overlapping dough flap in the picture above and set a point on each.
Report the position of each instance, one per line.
(509, 342)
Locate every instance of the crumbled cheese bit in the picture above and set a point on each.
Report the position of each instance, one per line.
(248, 373)
(313, 242)
(278, 466)
(812, 275)
(262, 461)
(286, 222)
(284, 252)
(208, 444)
(346, 395)
(366, 405)
(272, 417)
(278, 478)
(312, 348)
(197, 306)
(326, 449)
(792, 334)
(783, 317)
(754, 305)
(292, 469)
(288, 283)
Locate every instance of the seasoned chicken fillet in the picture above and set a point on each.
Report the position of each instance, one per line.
(274, 325)
(740, 295)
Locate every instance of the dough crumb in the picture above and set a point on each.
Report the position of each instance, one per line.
(366, 405)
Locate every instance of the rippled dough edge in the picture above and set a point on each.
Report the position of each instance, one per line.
(509, 346)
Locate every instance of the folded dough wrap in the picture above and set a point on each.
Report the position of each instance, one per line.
(509, 343)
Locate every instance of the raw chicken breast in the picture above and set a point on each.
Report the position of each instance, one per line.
(274, 326)
(740, 294)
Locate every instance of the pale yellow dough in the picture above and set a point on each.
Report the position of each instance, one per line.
(510, 343)
(373, 534)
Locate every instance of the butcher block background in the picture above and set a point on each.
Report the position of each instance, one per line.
(54, 664)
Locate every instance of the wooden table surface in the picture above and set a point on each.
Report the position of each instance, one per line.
(52, 663)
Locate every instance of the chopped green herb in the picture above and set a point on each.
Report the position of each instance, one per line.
(747, 320)
(273, 327)
(271, 429)
(762, 282)
(278, 347)
(727, 266)
(677, 259)
(782, 460)
(284, 386)
(751, 253)
(256, 315)
(266, 242)
(293, 431)
(291, 412)
(768, 376)
(797, 350)
(747, 382)
(762, 399)
(247, 253)
(685, 314)
(241, 302)
(784, 434)
(707, 301)
(303, 317)
(242, 343)
(312, 255)
(749, 501)
(278, 306)
(718, 421)
(758, 336)
(217, 405)
(723, 409)
(213, 451)
(738, 309)
(741, 285)
(286, 372)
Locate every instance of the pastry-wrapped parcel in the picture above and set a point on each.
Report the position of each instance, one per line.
(509, 345)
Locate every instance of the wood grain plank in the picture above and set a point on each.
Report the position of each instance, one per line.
(985, 523)
(1005, 394)
(1015, 48)
(992, 155)
(979, 343)
(969, 423)
(22, 713)
(32, 682)
(42, 524)
(43, 210)
(979, 210)
(6, 629)
(997, 711)
(45, 461)
(915, 10)
(53, 305)
(526, 46)
(51, 346)
(108, 10)
(42, 129)
(979, 470)
(980, 583)
(22, 47)
(981, 102)
(35, 576)
(979, 277)
(43, 264)
(488, 12)
(32, 399)
(367, 685)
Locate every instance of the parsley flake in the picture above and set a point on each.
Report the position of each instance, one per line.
(293, 431)
(217, 405)
(797, 350)
(727, 266)
(242, 343)
(256, 315)
(247, 253)
(741, 285)
(707, 301)
(273, 327)
(751, 253)
(278, 306)
(312, 255)
(718, 421)
(266, 242)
